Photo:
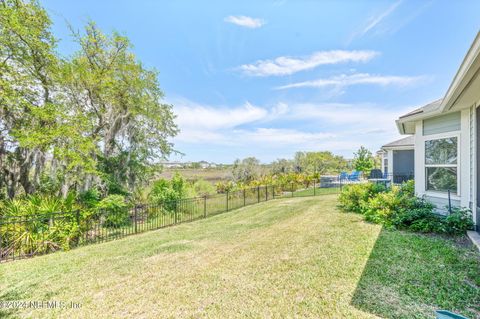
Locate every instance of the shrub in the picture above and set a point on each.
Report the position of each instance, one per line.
(223, 187)
(38, 228)
(408, 188)
(399, 208)
(166, 192)
(115, 211)
(382, 207)
(419, 218)
(89, 198)
(202, 188)
(353, 197)
(459, 221)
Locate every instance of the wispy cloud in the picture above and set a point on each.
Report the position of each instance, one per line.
(244, 21)
(267, 131)
(375, 21)
(285, 136)
(285, 65)
(192, 115)
(345, 80)
(356, 116)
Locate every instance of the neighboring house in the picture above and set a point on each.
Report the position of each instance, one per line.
(446, 136)
(173, 165)
(204, 164)
(398, 159)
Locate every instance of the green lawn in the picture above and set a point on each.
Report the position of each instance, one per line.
(317, 191)
(297, 257)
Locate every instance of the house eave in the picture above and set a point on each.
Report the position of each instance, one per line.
(467, 73)
(402, 122)
(457, 97)
(398, 148)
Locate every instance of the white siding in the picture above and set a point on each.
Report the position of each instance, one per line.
(419, 160)
(463, 133)
(441, 204)
(390, 162)
(441, 124)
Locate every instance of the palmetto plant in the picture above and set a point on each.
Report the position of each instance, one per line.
(38, 224)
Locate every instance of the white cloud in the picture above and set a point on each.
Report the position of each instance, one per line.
(374, 21)
(244, 21)
(285, 136)
(285, 65)
(192, 115)
(282, 129)
(345, 80)
(363, 117)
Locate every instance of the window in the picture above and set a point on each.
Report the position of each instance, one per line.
(441, 164)
(385, 166)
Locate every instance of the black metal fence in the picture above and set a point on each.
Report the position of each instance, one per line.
(27, 236)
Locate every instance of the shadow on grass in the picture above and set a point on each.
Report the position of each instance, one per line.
(411, 275)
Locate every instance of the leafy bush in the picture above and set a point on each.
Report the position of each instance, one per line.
(419, 219)
(382, 207)
(353, 197)
(399, 208)
(166, 192)
(36, 226)
(459, 221)
(386, 207)
(202, 188)
(115, 211)
(89, 198)
(408, 188)
(223, 187)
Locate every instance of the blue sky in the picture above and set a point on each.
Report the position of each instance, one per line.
(269, 78)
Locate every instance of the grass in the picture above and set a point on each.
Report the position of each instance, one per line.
(318, 191)
(297, 257)
(410, 275)
(212, 175)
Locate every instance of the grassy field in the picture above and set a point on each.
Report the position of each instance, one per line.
(297, 257)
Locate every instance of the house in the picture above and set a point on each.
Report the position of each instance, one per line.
(398, 159)
(172, 164)
(204, 164)
(446, 140)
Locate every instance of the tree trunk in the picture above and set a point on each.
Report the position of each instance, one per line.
(39, 167)
(24, 157)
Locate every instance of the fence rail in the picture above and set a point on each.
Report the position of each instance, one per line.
(27, 236)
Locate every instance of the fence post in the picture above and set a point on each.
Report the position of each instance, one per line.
(449, 203)
(244, 201)
(266, 193)
(227, 201)
(292, 189)
(205, 206)
(176, 211)
(135, 217)
(258, 193)
(314, 182)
